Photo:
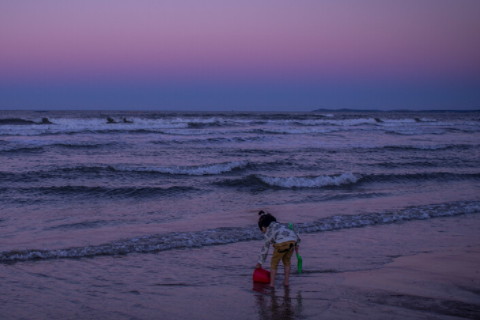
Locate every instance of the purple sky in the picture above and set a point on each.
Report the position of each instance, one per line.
(239, 55)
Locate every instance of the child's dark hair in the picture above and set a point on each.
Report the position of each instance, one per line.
(265, 219)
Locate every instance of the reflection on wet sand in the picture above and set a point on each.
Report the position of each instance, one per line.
(277, 303)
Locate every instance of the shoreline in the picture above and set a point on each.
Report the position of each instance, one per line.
(413, 270)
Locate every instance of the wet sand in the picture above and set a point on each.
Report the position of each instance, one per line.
(415, 270)
(441, 283)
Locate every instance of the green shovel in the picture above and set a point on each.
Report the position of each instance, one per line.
(299, 257)
(299, 263)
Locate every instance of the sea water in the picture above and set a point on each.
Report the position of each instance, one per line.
(99, 185)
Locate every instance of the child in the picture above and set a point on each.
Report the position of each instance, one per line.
(284, 241)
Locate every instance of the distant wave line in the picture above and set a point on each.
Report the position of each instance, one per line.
(102, 191)
(194, 170)
(267, 124)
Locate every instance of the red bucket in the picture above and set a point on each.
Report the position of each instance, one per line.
(261, 275)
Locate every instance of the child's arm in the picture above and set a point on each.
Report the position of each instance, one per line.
(263, 253)
(269, 239)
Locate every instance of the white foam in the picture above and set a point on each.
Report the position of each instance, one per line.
(310, 182)
(306, 130)
(398, 121)
(208, 169)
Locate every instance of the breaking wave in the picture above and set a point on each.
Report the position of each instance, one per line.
(286, 130)
(81, 171)
(345, 179)
(222, 236)
(210, 140)
(309, 182)
(206, 124)
(270, 124)
(263, 181)
(16, 121)
(210, 169)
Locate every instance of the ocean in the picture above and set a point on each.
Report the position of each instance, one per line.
(81, 190)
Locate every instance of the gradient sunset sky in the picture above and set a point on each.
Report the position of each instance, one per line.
(295, 55)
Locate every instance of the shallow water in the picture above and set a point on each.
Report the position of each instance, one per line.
(214, 282)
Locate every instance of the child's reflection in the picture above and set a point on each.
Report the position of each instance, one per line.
(272, 305)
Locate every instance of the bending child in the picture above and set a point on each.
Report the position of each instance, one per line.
(284, 241)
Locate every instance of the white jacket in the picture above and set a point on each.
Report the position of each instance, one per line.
(276, 233)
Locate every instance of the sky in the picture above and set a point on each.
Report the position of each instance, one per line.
(260, 55)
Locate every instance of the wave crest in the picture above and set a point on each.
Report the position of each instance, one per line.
(292, 182)
(310, 182)
(345, 179)
(201, 170)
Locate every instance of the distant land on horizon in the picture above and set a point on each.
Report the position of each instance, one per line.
(475, 109)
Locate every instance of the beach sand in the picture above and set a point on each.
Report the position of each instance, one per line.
(441, 283)
(426, 269)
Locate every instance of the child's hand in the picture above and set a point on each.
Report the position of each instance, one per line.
(258, 265)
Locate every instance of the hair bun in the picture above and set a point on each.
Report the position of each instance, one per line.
(261, 213)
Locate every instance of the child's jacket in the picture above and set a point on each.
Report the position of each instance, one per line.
(276, 233)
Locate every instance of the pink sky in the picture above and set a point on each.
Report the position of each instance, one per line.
(188, 41)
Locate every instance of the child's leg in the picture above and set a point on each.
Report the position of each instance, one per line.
(287, 275)
(273, 273)
(276, 257)
(286, 265)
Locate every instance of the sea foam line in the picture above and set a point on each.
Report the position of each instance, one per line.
(199, 170)
(310, 182)
(338, 180)
(222, 236)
